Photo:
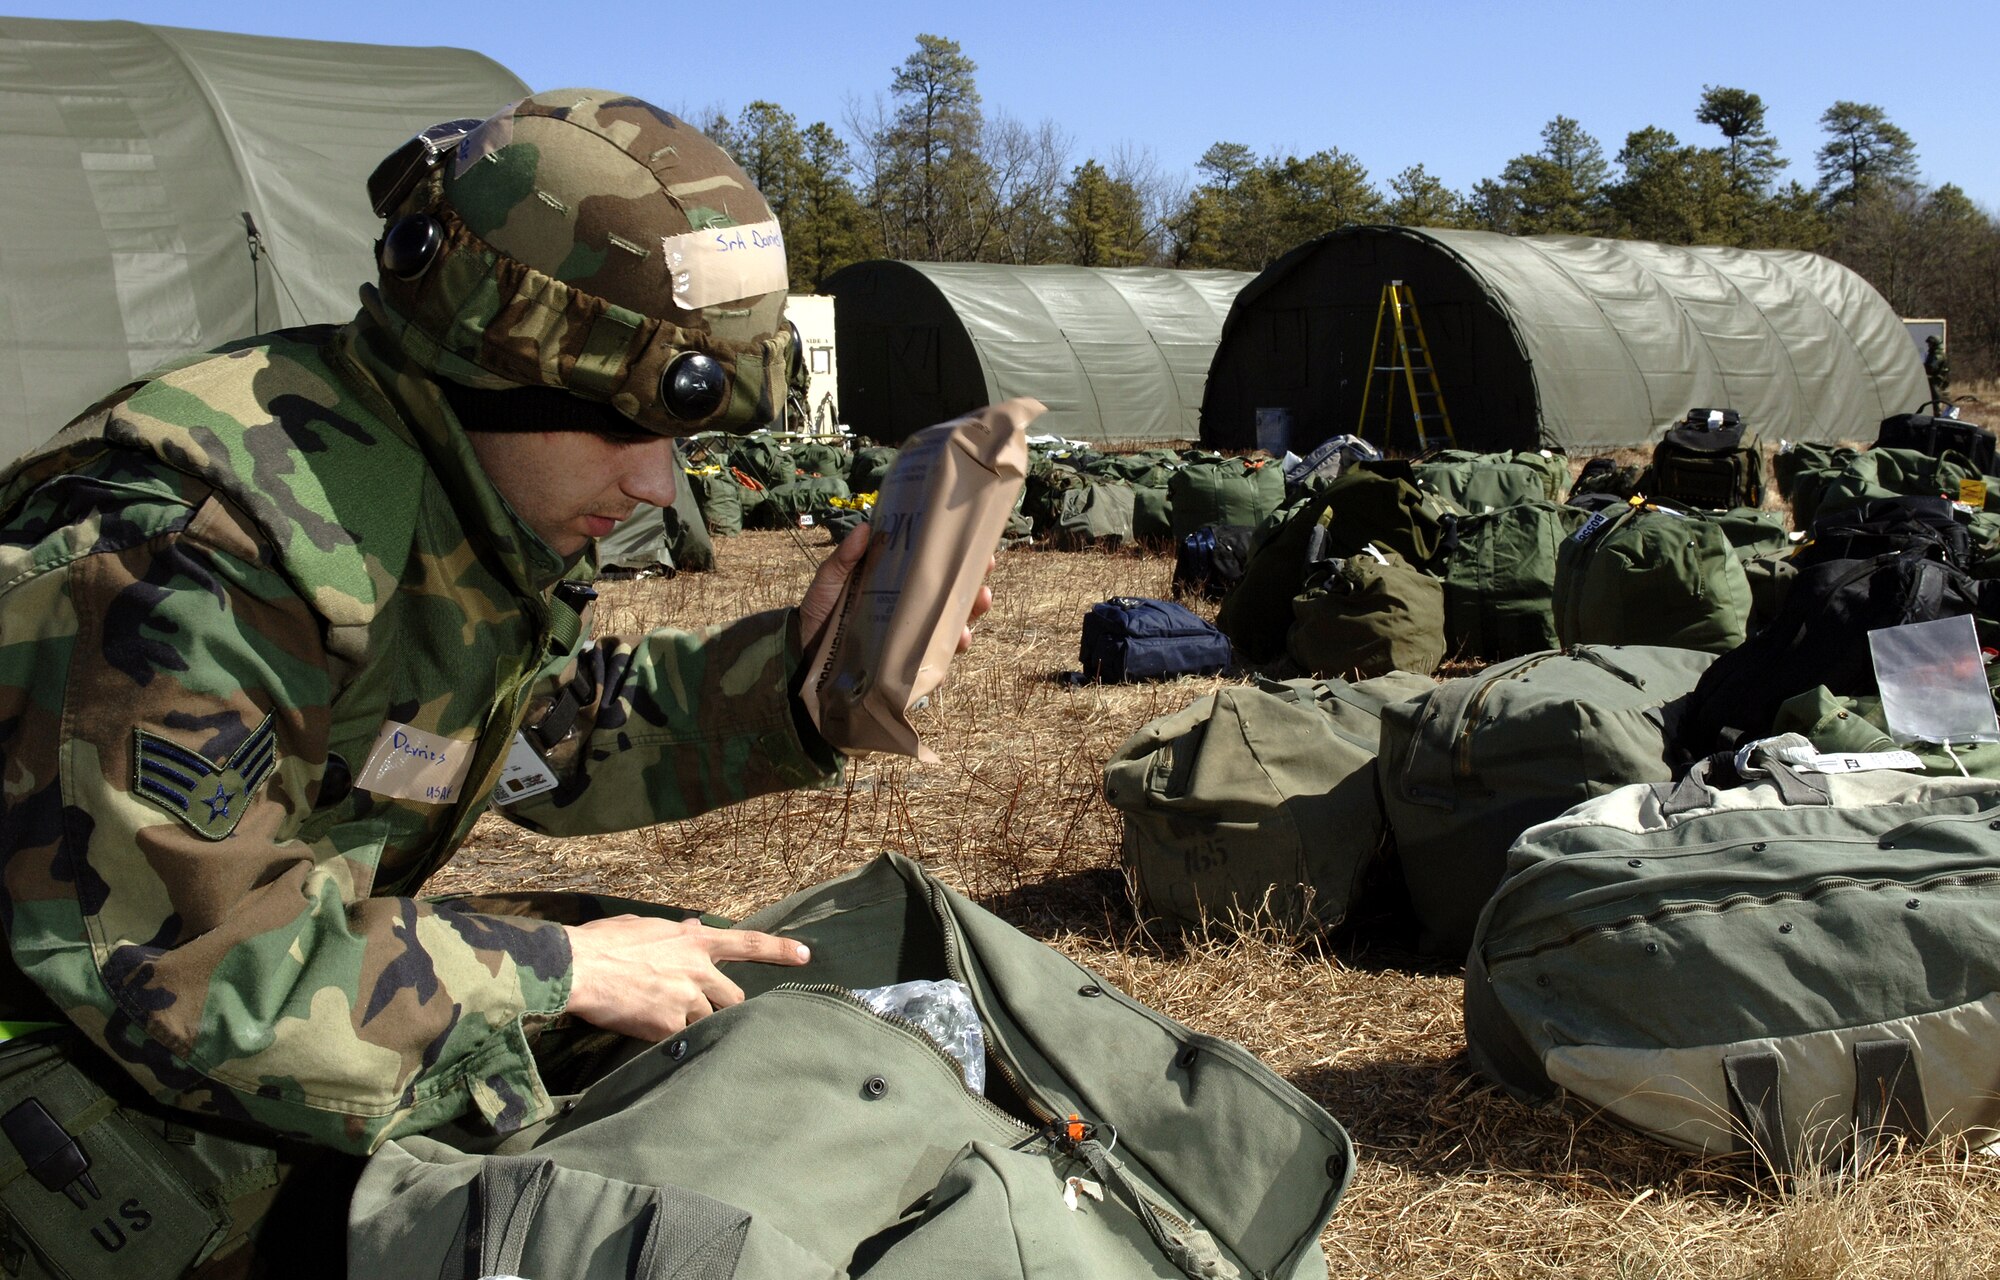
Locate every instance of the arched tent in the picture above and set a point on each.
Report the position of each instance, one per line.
(1116, 353)
(1563, 341)
(133, 154)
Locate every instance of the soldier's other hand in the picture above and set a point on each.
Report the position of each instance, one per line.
(649, 978)
(824, 592)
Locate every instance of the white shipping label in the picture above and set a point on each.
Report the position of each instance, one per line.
(726, 264)
(1855, 762)
(408, 763)
(525, 774)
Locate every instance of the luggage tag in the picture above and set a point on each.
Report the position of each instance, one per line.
(1856, 762)
(524, 775)
(1590, 528)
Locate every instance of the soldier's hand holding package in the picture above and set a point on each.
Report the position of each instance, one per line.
(649, 978)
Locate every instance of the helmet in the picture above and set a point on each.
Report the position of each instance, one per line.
(591, 242)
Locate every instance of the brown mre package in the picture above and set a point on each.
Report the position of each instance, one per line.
(937, 519)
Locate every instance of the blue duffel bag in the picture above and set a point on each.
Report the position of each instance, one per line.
(1133, 638)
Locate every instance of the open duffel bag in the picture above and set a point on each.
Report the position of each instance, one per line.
(1777, 966)
(800, 1134)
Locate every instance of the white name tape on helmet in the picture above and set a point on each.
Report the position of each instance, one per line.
(726, 264)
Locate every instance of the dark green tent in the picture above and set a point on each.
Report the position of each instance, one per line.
(138, 158)
(1116, 353)
(1563, 341)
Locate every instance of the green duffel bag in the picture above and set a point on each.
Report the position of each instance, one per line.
(1650, 575)
(1095, 514)
(1147, 469)
(1225, 491)
(1751, 531)
(818, 458)
(1257, 802)
(1378, 502)
(870, 464)
(720, 498)
(1499, 578)
(1489, 481)
(1795, 461)
(1483, 758)
(764, 458)
(1795, 967)
(1884, 473)
(1770, 578)
(1152, 513)
(788, 504)
(801, 1134)
(1366, 615)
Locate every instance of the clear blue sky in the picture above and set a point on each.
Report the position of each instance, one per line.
(1460, 87)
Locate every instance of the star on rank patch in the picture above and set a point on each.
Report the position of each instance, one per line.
(210, 798)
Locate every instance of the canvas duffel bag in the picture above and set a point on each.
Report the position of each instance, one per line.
(1608, 477)
(1096, 513)
(1256, 799)
(1806, 462)
(1499, 578)
(1709, 459)
(869, 465)
(1653, 575)
(1778, 966)
(720, 498)
(1839, 724)
(1468, 767)
(1224, 491)
(787, 505)
(1152, 513)
(1135, 638)
(1882, 473)
(1378, 502)
(1490, 481)
(1366, 615)
(800, 1134)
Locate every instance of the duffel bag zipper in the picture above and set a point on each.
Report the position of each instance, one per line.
(846, 996)
(1462, 753)
(1076, 1138)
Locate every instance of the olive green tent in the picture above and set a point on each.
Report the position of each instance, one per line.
(144, 164)
(1561, 341)
(1116, 353)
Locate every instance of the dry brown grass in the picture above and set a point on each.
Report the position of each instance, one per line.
(1454, 1180)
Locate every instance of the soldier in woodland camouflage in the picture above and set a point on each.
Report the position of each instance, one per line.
(276, 626)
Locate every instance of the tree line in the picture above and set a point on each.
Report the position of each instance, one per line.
(926, 173)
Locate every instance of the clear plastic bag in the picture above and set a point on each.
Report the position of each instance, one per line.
(1933, 682)
(943, 1010)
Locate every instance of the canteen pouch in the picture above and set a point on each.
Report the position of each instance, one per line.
(94, 1188)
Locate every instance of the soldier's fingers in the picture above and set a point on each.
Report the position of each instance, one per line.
(764, 948)
(721, 992)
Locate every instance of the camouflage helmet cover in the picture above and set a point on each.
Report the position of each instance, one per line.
(588, 240)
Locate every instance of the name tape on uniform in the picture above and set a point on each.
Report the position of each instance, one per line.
(408, 763)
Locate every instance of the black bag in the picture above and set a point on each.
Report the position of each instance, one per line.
(1132, 638)
(1938, 436)
(1209, 561)
(1820, 637)
(1709, 460)
(1883, 525)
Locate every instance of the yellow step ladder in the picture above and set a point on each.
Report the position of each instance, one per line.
(1400, 350)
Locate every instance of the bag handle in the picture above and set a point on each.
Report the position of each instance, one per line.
(1752, 762)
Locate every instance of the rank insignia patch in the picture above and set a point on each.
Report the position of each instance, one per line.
(210, 798)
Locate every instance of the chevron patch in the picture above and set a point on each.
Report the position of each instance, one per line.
(209, 798)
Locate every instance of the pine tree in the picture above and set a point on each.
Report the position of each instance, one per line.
(1863, 151)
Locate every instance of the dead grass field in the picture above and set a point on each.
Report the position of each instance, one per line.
(1454, 1178)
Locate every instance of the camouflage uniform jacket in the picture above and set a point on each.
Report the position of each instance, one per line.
(222, 598)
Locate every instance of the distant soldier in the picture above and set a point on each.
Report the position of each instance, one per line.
(1937, 368)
